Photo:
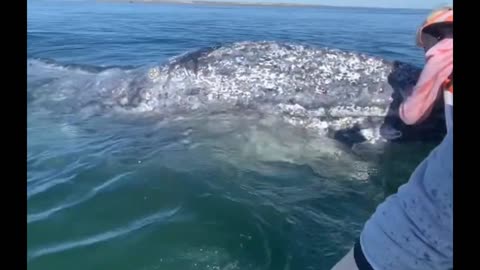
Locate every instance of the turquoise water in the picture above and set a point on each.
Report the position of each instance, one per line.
(213, 192)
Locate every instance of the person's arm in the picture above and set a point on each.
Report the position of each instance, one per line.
(413, 228)
(419, 104)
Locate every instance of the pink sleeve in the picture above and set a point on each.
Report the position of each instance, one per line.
(419, 105)
(438, 67)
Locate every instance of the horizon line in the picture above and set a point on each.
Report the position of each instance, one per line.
(246, 4)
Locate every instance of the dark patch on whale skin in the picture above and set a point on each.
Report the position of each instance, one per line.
(350, 136)
(190, 60)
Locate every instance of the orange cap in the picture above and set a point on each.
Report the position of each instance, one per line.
(443, 15)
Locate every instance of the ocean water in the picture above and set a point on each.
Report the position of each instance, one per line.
(226, 191)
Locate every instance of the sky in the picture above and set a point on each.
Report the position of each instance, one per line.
(427, 4)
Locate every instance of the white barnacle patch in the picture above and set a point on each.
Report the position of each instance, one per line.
(320, 126)
(292, 110)
(320, 112)
(346, 123)
(123, 101)
(372, 134)
(353, 77)
(154, 73)
(294, 121)
(357, 111)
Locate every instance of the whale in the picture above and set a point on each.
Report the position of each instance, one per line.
(350, 97)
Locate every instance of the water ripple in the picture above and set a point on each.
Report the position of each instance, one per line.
(45, 214)
(161, 216)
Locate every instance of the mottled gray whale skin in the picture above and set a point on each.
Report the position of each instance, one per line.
(347, 96)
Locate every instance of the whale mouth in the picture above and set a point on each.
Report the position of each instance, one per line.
(324, 90)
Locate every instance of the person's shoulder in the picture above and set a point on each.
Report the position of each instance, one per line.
(445, 44)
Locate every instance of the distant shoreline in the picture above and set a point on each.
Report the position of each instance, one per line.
(243, 4)
(215, 3)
